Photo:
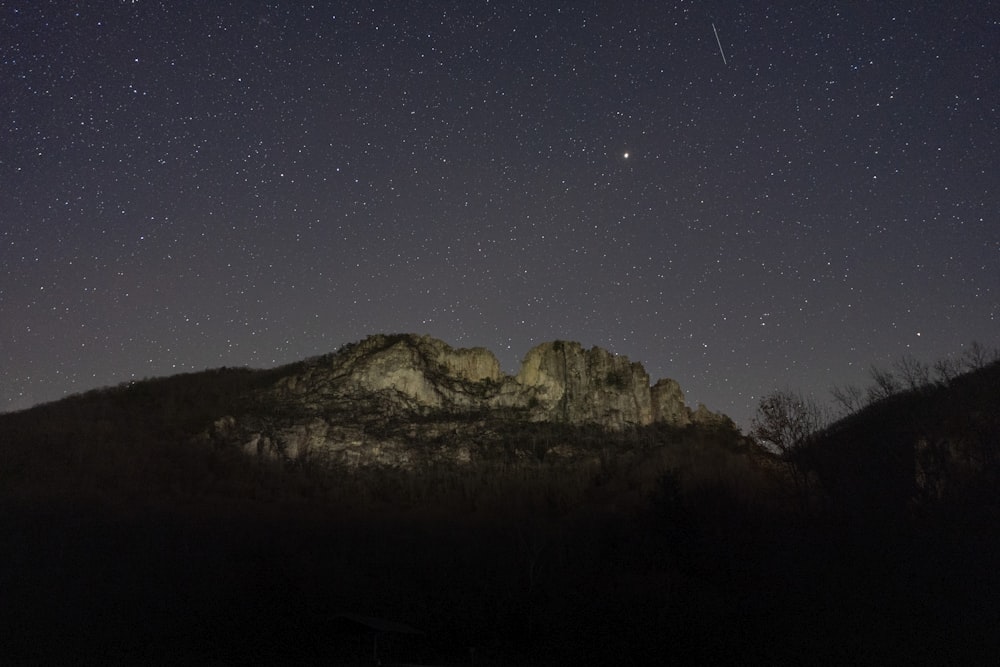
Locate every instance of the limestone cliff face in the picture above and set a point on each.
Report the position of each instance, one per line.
(398, 399)
(399, 373)
(574, 385)
(702, 416)
(426, 371)
(668, 403)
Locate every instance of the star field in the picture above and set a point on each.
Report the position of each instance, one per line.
(193, 185)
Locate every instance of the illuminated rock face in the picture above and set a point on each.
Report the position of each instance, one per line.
(382, 400)
(668, 403)
(425, 371)
(592, 386)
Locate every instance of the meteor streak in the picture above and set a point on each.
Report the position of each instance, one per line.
(720, 45)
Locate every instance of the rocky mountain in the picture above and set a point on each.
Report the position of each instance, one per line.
(398, 400)
(570, 513)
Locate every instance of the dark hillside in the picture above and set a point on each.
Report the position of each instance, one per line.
(128, 536)
(932, 448)
(132, 538)
(134, 435)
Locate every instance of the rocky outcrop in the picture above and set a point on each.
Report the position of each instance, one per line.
(384, 399)
(704, 417)
(570, 384)
(668, 403)
(415, 373)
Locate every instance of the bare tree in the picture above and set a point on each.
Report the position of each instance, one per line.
(945, 370)
(978, 356)
(974, 357)
(912, 372)
(850, 398)
(785, 422)
(885, 384)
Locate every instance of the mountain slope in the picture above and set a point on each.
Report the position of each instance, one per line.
(389, 402)
(937, 443)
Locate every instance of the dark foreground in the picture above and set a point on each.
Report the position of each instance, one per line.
(125, 539)
(252, 584)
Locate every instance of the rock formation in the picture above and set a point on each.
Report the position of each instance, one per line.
(668, 403)
(384, 399)
(574, 385)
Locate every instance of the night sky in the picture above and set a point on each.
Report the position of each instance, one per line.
(188, 185)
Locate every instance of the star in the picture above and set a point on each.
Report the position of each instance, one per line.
(418, 193)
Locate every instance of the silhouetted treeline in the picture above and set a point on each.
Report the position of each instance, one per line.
(127, 539)
(925, 448)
